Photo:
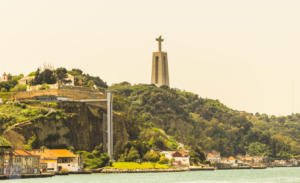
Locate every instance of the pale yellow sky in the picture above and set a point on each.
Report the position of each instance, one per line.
(244, 53)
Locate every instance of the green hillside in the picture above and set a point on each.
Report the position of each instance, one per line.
(146, 118)
(206, 124)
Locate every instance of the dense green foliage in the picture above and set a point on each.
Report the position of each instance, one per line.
(10, 84)
(47, 76)
(13, 113)
(60, 75)
(258, 149)
(4, 142)
(86, 80)
(151, 156)
(96, 159)
(203, 123)
(19, 88)
(160, 118)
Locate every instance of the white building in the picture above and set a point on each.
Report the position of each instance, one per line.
(178, 158)
(214, 157)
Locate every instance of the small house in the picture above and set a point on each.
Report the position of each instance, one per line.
(181, 158)
(178, 158)
(214, 157)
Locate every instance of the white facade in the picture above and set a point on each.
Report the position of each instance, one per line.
(178, 158)
(214, 158)
(168, 154)
(70, 164)
(182, 161)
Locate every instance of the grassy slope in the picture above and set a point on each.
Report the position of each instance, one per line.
(13, 113)
(133, 165)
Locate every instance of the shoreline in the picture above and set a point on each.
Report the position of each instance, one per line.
(114, 170)
(118, 171)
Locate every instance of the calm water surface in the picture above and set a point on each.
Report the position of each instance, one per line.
(271, 175)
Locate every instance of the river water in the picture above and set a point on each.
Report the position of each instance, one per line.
(271, 175)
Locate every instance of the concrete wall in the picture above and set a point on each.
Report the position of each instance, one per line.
(160, 69)
(73, 94)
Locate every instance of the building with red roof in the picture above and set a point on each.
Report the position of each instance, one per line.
(58, 160)
(178, 158)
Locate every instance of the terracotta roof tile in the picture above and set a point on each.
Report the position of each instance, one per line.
(54, 153)
(22, 153)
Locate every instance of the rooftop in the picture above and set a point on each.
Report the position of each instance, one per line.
(52, 154)
(23, 153)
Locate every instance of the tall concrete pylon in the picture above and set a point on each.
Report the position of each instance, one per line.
(160, 69)
(110, 141)
(108, 132)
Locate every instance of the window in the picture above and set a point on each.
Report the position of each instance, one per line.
(156, 68)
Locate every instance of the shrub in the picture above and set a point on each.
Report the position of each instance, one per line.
(163, 160)
(19, 88)
(44, 87)
(4, 142)
(151, 156)
(133, 155)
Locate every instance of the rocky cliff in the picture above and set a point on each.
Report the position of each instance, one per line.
(70, 124)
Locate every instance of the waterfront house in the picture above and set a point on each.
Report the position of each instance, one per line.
(294, 162)
(280, 163)
(230, 161)
(214, 157)
(252, 160)
(24, 162)
(178, 158)
(53, 160)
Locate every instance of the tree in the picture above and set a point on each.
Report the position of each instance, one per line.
(151, 156)
(133, 155)
(196, 155)
(61, 74)
(163, 160)
(47, 77)
(19, 88)
(258, 149)
(75, 72)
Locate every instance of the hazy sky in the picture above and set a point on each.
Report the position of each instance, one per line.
(246, 53)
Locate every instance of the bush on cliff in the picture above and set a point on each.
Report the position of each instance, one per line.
(96, 159)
